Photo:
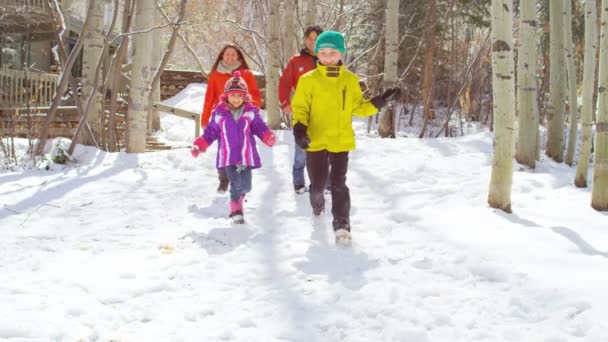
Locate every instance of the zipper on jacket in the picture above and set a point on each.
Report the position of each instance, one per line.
(343, 97)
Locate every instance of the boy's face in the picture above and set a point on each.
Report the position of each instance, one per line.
(329, 56)
(236, 99)
(310, 42)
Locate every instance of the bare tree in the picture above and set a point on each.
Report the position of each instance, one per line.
(93, 46)
(429, 63)
(63, 84)
(387, 126)
(526, 85)
(589, 75)
(273, 67)
(504, 105)
(555, 110)
(571, 76)
(140, 73)
(599, 190)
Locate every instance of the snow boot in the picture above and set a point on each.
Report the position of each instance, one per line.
(236, 211)
(342, 232)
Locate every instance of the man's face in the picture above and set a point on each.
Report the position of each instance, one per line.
(328, 56)
(310, 42)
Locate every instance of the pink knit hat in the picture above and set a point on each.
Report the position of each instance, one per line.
(235, 85)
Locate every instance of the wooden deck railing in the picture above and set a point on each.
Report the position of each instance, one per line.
(22, 88)
(32, 4)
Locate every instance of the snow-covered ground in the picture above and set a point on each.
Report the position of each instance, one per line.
(122, 247)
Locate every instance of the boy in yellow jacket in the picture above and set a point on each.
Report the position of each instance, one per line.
(324, 102)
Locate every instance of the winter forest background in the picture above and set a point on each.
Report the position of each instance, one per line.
(479, 197)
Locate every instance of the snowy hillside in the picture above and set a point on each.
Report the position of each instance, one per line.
(125, 247)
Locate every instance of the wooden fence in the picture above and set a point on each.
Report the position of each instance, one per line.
(22, 88)
(32, 4)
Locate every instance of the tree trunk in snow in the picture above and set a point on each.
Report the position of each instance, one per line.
(272, 68)
(503, 89)
(555, 110)
(526, 85)
(427, 82)
(93, 46)
(155, 56)
(140, 75)
(387, 125)
(599, 191)
(572, 89)
(588, 89)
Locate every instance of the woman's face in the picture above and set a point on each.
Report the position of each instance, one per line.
(230, 56)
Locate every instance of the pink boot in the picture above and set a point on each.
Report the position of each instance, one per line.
(236, 211)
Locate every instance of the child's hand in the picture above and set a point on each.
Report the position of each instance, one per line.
(200, 145)
(301, 136)
(195, 151)
(269, 138)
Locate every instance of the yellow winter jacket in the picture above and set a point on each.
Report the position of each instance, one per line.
(325, 100)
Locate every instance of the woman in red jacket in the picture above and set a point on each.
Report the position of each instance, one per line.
(228, 60)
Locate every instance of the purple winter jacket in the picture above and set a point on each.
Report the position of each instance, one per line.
(236, 144)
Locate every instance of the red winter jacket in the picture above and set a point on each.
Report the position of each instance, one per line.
(215, 88)
(298, 65)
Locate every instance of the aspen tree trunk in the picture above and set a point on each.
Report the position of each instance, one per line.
(572, 89)
(140, 75)
(526, 85)
(93, 46)
(428, 78)
(156, 56)
(311, 13)
(273, 67)
(555, 111)
(503, 88)
(588, 88)
(387, 126)
(290, 39)
(599, 190)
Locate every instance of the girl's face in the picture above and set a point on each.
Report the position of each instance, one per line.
(236, 99)
(329, 56)
(230, 56)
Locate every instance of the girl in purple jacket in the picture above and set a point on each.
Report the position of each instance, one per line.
(234, 122)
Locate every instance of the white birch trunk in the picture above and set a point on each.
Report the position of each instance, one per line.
(93, 46)
(555, 110)
(588, 84)
(386, 128)
(290, 39)
(273, 67)
(504, 104)
(311, 13)
(526, 85)
(599, 190)
(156, 56)
(140, 75)
(572, 89)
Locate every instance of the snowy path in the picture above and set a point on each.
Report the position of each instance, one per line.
(138, 248)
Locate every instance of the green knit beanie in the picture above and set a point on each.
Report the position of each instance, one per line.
(330, 39)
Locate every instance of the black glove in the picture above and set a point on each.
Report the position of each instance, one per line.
(300, 135)
(380, 100)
